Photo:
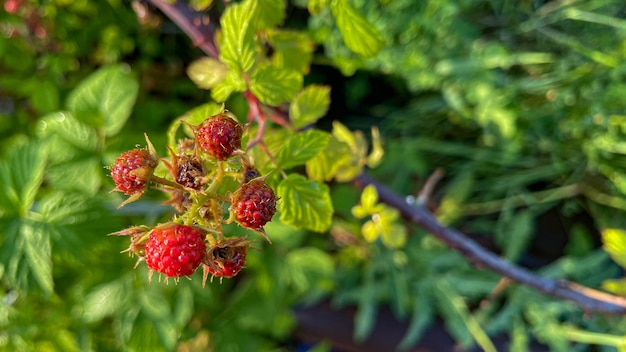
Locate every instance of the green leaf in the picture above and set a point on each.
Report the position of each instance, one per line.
(21, 175)
(367, 310)
(457, 192)
(454, 310)
(309, 105)
(422, 317)
(232, 83)
(370, 231)
(238, 49)
(273, 85)
(105, 99)
(393, 235)
(38, 253)
(311, 269)
(44, 95)
(302, 147)
(517, 235)
(369, 197)
(106, 300)
(83, 174)
(358, 34)
(325, 165)
(292, 50)
(305, 203)
(207, 72)
(376, 156)
(616, 286)
(270, 14)
(316, 6)
(73, 133)
(200, 5)
(615, 244)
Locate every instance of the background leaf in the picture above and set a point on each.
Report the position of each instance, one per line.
(207, 72)
(271, 13)
(358, 34)
(292, 50)
(615, 244)
(105, 99)
(22, 174)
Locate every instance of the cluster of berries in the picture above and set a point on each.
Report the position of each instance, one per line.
(197, 169)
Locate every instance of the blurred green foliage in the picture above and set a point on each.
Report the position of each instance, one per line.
(521, 103)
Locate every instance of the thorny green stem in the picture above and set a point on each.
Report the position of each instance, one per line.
(161, 180)
(208, 194)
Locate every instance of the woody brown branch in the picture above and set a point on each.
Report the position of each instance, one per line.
(587, 298)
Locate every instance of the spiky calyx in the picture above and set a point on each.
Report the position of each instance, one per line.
(226, 258)
(186, 170)
(219, 136)
(253, 204)
(175, 250)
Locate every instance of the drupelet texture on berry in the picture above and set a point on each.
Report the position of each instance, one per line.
(131, 171)
(219, 136)
(175, 250)
(253, 204)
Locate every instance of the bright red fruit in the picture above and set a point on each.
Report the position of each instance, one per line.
(219, 136)
(175, 250)
(253, 204)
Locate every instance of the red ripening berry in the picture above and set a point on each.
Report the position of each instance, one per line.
(254, 204)
(132, 169)
(219, 136)
(175, 250)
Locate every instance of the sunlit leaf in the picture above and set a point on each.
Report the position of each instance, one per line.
(292, 50)
(232, 83)
(271, 13)
(615, 244)
(309, 105)
(207, 72)
(301, 147)
(273, 85)
(238, 49)
(305, 203)
(325, 165)
(359, 35)
(315, 6)
(105, 99)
